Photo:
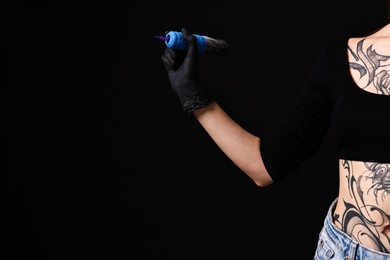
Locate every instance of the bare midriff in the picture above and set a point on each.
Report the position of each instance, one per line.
(363, 206)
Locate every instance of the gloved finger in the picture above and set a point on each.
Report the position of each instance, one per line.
(176, 55)
(170, 52)
(191, 47)
(171, 56)
(188, 37)
(168, 63)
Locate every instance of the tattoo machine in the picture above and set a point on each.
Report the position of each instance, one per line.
(175, 40)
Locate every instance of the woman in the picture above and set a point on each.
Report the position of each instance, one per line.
(348, 88)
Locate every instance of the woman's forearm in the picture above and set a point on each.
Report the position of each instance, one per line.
(238, 144)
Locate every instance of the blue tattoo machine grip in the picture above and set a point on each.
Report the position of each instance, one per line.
(175, 40)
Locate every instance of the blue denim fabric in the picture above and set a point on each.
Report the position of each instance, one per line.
(335, 244)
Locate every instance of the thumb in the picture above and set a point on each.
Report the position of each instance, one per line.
(191, 44)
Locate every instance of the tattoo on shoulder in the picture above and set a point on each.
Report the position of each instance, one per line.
(373, 65)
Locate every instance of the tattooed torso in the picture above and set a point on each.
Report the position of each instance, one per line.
(363, 208)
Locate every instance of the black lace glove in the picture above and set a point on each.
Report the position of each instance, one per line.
(183, 76)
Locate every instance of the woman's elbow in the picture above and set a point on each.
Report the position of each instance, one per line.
(263, 182)
(260, 177)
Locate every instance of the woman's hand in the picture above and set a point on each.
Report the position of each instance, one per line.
(182, 71)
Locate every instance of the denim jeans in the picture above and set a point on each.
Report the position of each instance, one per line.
(335, 244)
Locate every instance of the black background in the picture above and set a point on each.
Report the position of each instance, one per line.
(103, 162)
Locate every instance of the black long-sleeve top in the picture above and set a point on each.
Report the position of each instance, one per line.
(329, 97)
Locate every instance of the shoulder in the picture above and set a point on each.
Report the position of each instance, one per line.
(379, 41)
(378, 45)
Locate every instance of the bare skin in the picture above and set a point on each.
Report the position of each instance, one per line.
(363, 209)
(238, 144)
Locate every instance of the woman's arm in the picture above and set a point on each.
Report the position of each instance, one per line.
(238, 144)
(295, 137)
